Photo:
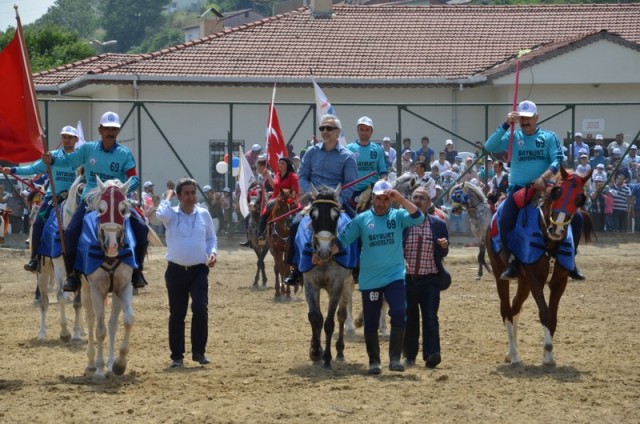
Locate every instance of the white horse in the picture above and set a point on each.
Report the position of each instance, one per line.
(51, 277)
(113, 275)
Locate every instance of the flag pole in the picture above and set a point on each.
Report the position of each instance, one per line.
(34, 105)
(273, 99)
(513, 109)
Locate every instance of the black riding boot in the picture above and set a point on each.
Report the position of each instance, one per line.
(396, 340)
(137, 279)
(72, 283)
(511, 271)
(293, 278)
(32, 266)
(373, 350)
(576, 274)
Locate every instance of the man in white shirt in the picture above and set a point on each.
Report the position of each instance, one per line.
(191, 251)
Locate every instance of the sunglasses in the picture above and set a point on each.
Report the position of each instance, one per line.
(327, 128)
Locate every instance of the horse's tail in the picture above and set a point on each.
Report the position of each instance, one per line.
(587, 227)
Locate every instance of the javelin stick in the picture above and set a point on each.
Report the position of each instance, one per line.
(347, 185)
(25, 182)
(513, 109)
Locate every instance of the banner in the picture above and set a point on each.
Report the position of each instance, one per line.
(276, 146)
(323, 107)
(20, 129)
(245, 179)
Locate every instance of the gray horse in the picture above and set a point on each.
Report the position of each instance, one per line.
(327, 274)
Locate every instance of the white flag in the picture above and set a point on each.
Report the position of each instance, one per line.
(245, 179)
(81, 139)
(323, 107)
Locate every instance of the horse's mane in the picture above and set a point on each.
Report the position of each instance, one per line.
(325, 193)
(477, 191)
(93, 195)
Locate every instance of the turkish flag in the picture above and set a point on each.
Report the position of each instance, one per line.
(20, 129)
(276, 147)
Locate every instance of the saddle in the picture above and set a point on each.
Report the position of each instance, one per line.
(527, 242)
(90, 255)
(347, 258)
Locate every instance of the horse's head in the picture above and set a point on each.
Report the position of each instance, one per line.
(255, 198)
(465, 196)
(324, 213)
(563, 202)
(112, 206)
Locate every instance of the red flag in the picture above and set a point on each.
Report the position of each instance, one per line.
(276, 147)
(20, 127)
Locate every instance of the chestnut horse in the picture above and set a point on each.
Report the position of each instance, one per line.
(550, 228)
(278, 235)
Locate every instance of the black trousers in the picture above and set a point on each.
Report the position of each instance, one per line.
(183, 282)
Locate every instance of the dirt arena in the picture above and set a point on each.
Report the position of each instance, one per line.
(260, 371)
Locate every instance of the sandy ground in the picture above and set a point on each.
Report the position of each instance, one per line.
(260, 371)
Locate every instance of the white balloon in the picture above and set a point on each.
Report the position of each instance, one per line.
(222, 167)
(235, 171)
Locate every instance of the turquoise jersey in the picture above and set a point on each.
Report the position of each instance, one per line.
(63, 176)
(382, 257)
(531, 155)
(113, 164)
(369, 159)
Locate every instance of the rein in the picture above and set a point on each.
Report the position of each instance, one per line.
(111, 270)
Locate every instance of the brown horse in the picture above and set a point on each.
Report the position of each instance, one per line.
(261, 247)
(554, 216)
(278, 235)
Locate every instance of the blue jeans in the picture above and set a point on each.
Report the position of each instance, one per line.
(423, 295)
(182, 283)
(395, 295)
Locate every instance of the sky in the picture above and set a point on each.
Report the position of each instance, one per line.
(29, 11)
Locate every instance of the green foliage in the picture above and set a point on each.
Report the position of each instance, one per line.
(165, 38)
(73, 15)
(131, 21)
(50, 46)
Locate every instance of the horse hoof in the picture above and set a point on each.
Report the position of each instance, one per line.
(327, 366)
(478, 277)
(118, 369)
(99, 378)
(65, 338)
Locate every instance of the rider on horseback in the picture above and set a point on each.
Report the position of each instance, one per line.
(63, 177)
(537, 155)
(324, 164)
(110, 160)
(286, 179)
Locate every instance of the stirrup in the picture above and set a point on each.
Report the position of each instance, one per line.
(510, 272)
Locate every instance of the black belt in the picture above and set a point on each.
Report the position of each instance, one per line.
(416, 276)
(186, 267)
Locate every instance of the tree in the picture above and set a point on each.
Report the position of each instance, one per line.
(131, 21)
(73, 15)
(165, 38)
(50, 46)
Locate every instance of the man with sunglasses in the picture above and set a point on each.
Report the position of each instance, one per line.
(324, 164)
(536, 157)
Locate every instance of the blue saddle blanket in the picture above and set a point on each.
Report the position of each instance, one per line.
(526, 241)
(50, 240)
(348, 257)
(90, 255)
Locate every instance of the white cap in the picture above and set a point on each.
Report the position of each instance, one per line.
(600, 165)
(206, 189)
(69, 130)
(296, 157)
(365, 120)
(598, 178)
(578, 134)
(527, 109)
(599, 137)
(616, 151)
(597, 147)
(226, 190)
(110, 119)
(381, 186)
(633, 147)
(583, 151)
(386, 139)
(449, 141)
(583, 155)
(24, 192)
(147, 184)
(256, 147)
